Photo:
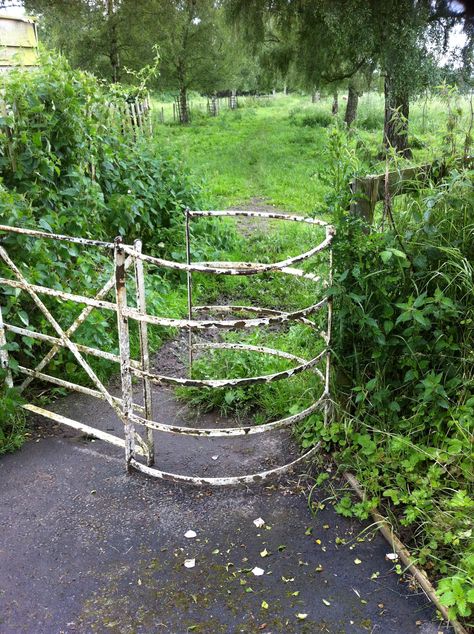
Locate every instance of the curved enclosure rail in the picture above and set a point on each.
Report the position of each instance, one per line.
(129, 275)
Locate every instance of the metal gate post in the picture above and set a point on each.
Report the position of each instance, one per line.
(189, 288)
(327, 405)
(124, 350)
(4, 364)
(144, 351)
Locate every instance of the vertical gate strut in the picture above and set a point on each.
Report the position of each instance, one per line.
(124, 351)
(144, 352)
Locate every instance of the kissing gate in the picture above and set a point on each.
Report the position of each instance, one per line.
(139, 448)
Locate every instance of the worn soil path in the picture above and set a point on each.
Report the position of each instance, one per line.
(87, 548)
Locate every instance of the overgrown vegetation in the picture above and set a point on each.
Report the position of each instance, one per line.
(69, 166)
(403, 346)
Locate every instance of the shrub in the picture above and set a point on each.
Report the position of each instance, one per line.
(311, 118)
(69, 166)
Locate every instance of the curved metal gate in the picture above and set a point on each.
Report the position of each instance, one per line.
(139, 448)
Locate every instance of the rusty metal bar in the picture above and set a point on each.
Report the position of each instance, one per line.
(189, 288)
(52, 292)
(259, 214)
(327, 407)
(85, 242)
(72, 347)
(254, 478)
(248, 430)
(90, 431)
(95, 352)
(249, 348)
(75, 387)
(4, 360)
(132, 313)
(160, 379)
(84, 314)
(144, 350)
(232, 324)
(243, 268)
(124, 349)
(229, 308)
(242, 265)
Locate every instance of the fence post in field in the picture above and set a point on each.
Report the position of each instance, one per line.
(367, 191)
(124, 350)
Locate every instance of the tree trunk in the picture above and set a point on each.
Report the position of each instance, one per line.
(113, 41)
(335, 103)
(352, 104)
(183, 105)
(397, 110)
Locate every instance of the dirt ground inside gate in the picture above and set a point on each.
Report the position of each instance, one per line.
(87, 548)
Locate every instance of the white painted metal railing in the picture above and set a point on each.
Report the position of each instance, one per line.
(140, 448)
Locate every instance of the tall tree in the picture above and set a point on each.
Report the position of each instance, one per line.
(333, 41)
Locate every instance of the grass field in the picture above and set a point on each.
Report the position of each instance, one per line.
(276, 149)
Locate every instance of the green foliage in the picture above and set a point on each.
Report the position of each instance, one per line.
(405, 374)
(316, 119)
(12, 420)
(262, 402)
(68, 167)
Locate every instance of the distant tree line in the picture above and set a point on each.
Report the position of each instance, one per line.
(214, 46)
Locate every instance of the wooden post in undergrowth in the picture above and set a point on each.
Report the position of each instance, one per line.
(213, 106)
(367, 191)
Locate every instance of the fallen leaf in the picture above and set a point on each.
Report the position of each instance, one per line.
(308, 530)
(287, 579)
(257, 571)
(262, 626)
(190, 534)
(214, 457)
(301, 617)
(357, 562)
(248, 589)
(264, 553)
(215, 551)
(139, 582)
(326, 602)
(189, 563)
(318, 541)
(295, 594)
(259, 522)
(264, 605)
(318, 568)
(325, 526)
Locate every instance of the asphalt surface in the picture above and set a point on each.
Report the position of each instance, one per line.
(87, 548)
